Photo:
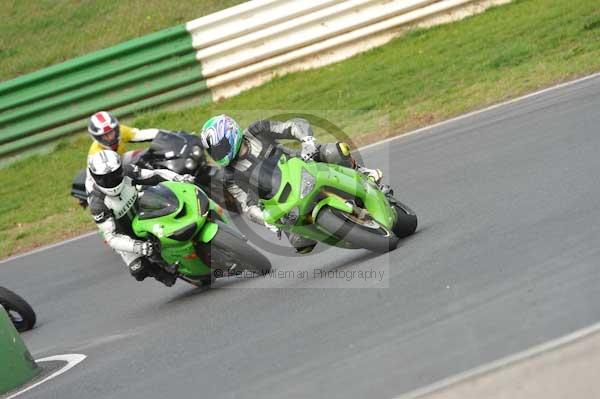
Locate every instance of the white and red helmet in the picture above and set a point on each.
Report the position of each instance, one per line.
(104, 128)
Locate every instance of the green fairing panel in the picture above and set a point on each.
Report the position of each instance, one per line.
(170, 210)
(330, 178)
(208, 232)
(156, 202)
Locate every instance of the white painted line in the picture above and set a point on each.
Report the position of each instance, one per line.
(41, 249)
(501, 363)
(72, 360)
(401, 136)
(480, 111)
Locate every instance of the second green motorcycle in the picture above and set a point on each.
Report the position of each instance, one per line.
(195, 239)
(333, 204)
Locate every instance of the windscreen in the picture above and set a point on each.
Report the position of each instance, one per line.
(167, 142)
(156, 201)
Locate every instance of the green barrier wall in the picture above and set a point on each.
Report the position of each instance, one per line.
(16, 364)
(139, 74)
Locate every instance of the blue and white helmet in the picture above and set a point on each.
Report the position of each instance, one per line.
(222, 138)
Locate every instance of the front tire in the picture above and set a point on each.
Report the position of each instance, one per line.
(375, 238)
(19, 311)
(229, 253)
(406, 220)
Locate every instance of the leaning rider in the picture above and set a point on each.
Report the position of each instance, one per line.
(108, 134)
(112, 201)
(246, 154)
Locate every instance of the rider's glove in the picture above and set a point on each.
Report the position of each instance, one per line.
(310, 148)
(184, 179)
(144, 248)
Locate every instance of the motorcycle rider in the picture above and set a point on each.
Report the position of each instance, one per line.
(248, 156)
(108, 134)
(112, 201)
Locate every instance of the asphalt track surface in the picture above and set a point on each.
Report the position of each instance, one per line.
(506, 257)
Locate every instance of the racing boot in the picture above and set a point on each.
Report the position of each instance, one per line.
(376, 175)
(164, 276)
(339, 154)
(139, 269)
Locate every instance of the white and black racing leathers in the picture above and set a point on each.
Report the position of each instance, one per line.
(113, 215)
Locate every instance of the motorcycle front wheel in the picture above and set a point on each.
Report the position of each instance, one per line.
(406, 220)
(229, 253)
(20, 313)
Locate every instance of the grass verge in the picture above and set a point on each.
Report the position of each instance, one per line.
(420, 78)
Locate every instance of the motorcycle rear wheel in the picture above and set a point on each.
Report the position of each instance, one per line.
(366, 234)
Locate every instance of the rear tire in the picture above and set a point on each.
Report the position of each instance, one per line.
(228, 249)
(19, 311)
(374, 239)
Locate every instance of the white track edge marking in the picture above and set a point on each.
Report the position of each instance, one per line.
(482, 110)
(502, 362)
(44, 248)
(72, 359)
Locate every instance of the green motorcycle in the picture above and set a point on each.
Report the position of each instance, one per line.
(332, 204)
(193, 235)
